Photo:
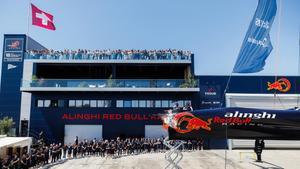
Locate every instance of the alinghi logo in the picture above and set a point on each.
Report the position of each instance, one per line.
(263, 115)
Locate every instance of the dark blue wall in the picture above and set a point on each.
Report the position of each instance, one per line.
(14, 47)
(211, 95)
(51, 122)
(12, 69)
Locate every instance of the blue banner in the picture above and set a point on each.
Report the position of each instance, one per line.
(257, 44)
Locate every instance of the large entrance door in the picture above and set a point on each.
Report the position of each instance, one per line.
(155, 131)
(83, 132)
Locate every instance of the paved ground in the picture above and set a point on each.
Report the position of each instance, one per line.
(207, 159)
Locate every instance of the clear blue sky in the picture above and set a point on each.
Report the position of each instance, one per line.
(212, 29)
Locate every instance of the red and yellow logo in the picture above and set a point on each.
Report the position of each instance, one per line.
(185, 122)
(15, 45)
(282, 85)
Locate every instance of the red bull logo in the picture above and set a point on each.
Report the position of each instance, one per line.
(14, 45)
(282, 85)
(187, 122)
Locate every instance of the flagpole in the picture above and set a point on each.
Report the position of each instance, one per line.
(277, 57)
(28, 25)
(298, 97)
(299, 52)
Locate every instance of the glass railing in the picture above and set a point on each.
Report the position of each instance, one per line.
(116, 57)
(112, 83)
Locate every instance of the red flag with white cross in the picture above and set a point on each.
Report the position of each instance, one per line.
(41, 18)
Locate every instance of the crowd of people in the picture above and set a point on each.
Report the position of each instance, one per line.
(80, 54)
(114, 148)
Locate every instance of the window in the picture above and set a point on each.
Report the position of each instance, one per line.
(78, 103)
(142, 103)
(71, 103)
(165, 103)
(150, 103)
(135, 103)
(127, 103)
(100, 103)
(157, 103)
(47, 103)
(171, 103)
(103, 103)
(93, 103)
(54, 103)
(187, 102)
(180, 102)
(119, 103)
(107, 103)
(40, 103)
(61, 103)
(86, 103)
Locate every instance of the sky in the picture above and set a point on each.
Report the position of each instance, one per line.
(212, 29)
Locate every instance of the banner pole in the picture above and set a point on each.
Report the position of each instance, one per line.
(28, 25)
(299, 52)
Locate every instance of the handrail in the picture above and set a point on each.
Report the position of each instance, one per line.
(78, 56)
(112, 83)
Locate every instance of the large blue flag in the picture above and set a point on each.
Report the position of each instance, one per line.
(257, 44)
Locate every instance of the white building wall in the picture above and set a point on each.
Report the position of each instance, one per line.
(25, 96)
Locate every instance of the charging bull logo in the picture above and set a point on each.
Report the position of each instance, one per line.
(186, 122)
(282, 85)
(14, 45)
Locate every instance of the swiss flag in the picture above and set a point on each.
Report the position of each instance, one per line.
(41, 18)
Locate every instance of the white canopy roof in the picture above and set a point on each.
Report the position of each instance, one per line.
(15, 141)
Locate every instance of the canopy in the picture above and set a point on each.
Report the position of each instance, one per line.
(15, 141)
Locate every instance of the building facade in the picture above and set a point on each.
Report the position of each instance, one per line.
(115, 96)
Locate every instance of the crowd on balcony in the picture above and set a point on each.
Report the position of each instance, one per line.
(115, 148)
(81, 54)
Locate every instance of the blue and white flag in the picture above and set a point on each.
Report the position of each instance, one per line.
(257, 44)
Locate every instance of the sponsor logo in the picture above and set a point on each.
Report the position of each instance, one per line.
(263, 115)
(282, 85)
(14, 45)
(11, 66)
(210, 102)
(232, 120)
(186, 122)
(210, 92)
(238, 118)
(108, 116)
(261, 43)
(261, 23)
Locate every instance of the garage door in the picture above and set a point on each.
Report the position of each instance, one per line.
(263, 101)
(83, 132)
(155, 131)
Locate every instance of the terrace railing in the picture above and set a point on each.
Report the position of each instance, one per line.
(110, 83)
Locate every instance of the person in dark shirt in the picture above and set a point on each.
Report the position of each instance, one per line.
(24, 164)
(33, 157)
(15, 162)
(74, 151)
(259, 146)
(1, 162)
(46, 155)
(70, 149)
(76, 140)
(6, 163)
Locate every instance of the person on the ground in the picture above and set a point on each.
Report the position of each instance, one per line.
(259, 146)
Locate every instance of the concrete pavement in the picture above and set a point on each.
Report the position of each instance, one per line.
(207, 159)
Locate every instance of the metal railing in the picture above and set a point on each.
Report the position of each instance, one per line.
(112, 57)
(111, 83)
